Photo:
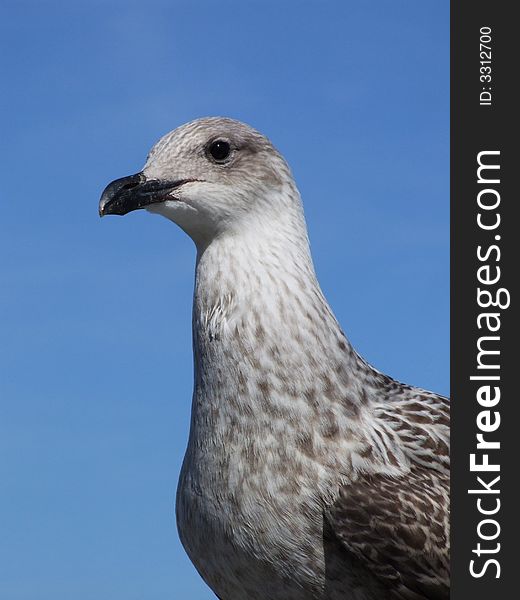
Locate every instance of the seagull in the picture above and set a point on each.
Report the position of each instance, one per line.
(308, 474)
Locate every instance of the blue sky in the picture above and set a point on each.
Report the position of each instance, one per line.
(96, 375)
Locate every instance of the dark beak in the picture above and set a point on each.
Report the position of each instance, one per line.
(130, 193)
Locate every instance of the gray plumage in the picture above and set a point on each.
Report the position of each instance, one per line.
(308, 474)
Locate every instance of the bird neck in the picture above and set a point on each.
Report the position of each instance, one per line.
(251, 277)
(259, 314)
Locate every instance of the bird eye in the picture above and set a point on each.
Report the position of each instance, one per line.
(219, 150)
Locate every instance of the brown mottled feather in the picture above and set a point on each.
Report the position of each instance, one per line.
(399, 524)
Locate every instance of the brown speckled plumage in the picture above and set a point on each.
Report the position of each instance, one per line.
(308, 475)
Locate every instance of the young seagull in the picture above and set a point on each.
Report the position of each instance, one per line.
(308, 474)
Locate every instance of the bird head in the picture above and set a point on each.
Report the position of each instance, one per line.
(208, 176)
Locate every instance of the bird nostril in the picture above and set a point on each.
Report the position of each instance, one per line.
(130, 185)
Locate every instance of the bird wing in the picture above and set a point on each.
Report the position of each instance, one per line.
(399, 528)
(398, 523)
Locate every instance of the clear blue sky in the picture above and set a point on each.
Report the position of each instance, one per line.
(95, 354)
